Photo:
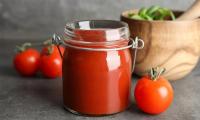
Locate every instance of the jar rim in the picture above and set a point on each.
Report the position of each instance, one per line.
(69, 25)
(112, 28)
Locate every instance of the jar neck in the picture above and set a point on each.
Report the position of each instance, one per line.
(97, 32)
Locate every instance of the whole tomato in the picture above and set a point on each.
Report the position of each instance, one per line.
(153, 93)
(26, 62)
(51, 61)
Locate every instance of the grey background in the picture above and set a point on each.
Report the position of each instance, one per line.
(37, 19)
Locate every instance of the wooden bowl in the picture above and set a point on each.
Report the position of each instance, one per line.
(174, 45)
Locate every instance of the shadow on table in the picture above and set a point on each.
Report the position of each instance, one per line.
(50, 95)
(7, 70)
(134, 109)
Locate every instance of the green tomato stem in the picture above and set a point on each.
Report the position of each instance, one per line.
(23, 47)
(155, 73)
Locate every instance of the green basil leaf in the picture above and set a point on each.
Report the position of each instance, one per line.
(153, 13)
(142, 11)
(152, 9)
(172, 15)
(137, 17)
(130, 15)
(147, 17)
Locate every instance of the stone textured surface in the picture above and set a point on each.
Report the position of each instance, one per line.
(41, 99)
(21, 19)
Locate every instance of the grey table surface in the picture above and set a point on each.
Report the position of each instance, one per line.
(38, 98)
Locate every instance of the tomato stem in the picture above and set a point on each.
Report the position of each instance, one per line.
(49, 45)
(48, 42)
(155, 73)
(23, 47)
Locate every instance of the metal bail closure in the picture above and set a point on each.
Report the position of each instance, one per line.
(56, 40)
(134, 44)
(137, 43)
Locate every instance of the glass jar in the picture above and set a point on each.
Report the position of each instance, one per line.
(97, 67)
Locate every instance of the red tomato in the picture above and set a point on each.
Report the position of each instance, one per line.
(27, 62)
(51, 63)
(153, 96)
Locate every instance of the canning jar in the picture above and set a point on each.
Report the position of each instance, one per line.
(97, 66)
